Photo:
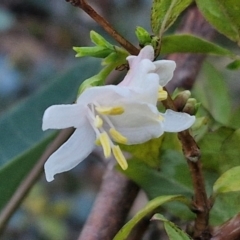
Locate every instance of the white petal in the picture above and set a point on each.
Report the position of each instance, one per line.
(136, 76)
(63, 116)
(145, 53)
(104, 95)
(176, 121)
(71, 153)
(148, 91)
(139, 123)
(165, 69)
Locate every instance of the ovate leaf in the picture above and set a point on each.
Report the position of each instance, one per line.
(22, 139)
(165, 12)
(216, 99)
(148, 209)
(186, 43)
(228, 181)
(173, 231)
(223, 15)
(235, 65)
(14, 172)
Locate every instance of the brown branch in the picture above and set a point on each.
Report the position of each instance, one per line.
(230, 230)
(31, 178)
(105, 24)
(188, 66)
(111, 207)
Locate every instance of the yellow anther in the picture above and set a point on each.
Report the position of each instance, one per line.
(98, 122)
(105, 142)
(117, 136)
(110, 110)
(160, 118)
(97, 142)
(162, 94)
(120, 157)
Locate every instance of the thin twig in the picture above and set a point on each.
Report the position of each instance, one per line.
(230, 230)
(111, 207)
(188, 66)
(105, 24)
(31, 178)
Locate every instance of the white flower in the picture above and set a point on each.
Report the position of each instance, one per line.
(109, 115)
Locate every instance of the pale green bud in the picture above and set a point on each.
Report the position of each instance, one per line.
(181, 99)
(143, 36)
(191, 106)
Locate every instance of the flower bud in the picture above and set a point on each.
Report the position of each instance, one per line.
(181, 99)
(143, 36)
(191, 106)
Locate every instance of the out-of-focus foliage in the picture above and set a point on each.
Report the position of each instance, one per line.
(165, 13)
(148, 209)
(173, 231)
(223, 15)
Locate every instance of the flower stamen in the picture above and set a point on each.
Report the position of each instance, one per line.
(120, 157)
(162, 94)
(110, 110)
(117, 136)
(106, 144)
(98, 122)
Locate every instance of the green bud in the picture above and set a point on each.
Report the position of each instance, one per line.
(143, 36)
(191, 106)
(181, 99)
(97, 51)
(100, 40)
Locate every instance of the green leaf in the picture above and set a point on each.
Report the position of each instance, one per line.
(165, 12)
(186, 43)
(228, 181)
(235, 65)
(148, 209)
(225, 207)
(173, 231)
(14, 172)
(213, 146)
(172, 178)
(223, 15)
(234, 119)
(21, 129)
(147, 152)
(216, 99)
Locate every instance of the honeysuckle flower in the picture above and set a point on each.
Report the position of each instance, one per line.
(110, 115)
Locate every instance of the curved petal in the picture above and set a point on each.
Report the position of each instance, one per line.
(145, 53)
(63, 116)
(104, 95)
(176, 121)
(148, 91)
(164, 69)
(137, 74)
(139, 123)
(71, 153)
